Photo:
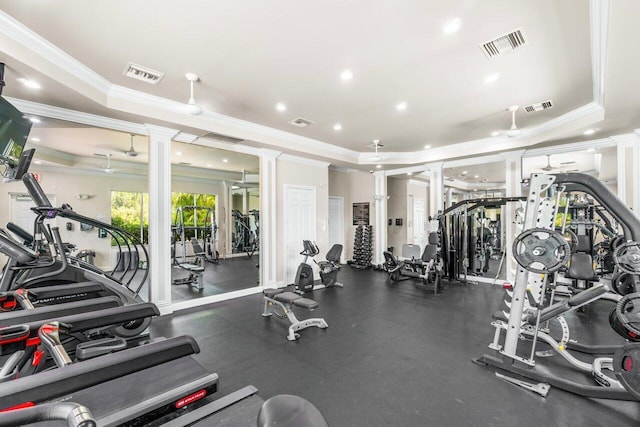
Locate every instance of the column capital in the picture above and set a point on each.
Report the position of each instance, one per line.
(270, 154)
(160, 131)
(513, 155)
(626, 139)
(434, 166)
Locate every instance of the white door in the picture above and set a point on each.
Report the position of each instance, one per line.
(336, 224)
(300, 224)
(419, 235)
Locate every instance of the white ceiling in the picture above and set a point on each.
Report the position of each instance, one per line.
(250, 55)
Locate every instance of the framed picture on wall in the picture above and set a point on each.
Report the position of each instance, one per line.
(361, 213)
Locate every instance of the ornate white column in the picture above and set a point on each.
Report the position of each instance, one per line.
(436, 188)
(513, 166)
(628, 158)
(160, 216)
(380, 226)
(268, 242)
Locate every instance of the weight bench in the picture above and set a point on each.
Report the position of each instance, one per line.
(275, 299)
(196, 276)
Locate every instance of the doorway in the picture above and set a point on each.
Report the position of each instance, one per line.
(299, 225)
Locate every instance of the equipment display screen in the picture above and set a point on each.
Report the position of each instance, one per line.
(14, 130)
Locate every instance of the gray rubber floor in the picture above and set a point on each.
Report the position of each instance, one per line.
(392, 356)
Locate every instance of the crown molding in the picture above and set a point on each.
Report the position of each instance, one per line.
(570, 147)
(342, 169)
(303, 160)
(47, 51)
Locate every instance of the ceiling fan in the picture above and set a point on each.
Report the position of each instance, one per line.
(549, 168)
(375, 144)
(131, 152)
(513, 131)
(108, 168)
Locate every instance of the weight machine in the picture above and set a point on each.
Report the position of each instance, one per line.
(541, 252)
(469, 241)
(195, 222)
(245, 238)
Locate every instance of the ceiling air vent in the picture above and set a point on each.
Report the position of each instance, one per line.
(544, 105)
(300, 122)
(144, 74)
(184, 164)
(220, 137)
(504, 43)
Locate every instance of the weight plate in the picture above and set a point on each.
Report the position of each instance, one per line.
(540, 250)
(628, 312)
(625, 283)
(626, 365)
(627, 257)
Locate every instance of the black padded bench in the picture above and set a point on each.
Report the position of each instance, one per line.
(275, 299)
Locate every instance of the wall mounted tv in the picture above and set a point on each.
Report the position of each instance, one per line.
(14, 130)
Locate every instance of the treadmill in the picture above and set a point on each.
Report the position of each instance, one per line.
(133, 387)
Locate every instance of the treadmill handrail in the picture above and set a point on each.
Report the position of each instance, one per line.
(62, 381)
(74, 414)
(95, 319)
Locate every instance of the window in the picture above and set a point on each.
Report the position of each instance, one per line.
(130, 212)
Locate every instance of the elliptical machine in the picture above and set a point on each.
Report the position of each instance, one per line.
(329, 268)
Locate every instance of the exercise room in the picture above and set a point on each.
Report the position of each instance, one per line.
(322, 213)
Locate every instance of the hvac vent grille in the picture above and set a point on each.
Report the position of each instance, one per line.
(300, 122)
(504, 43)
(219, 137)
(544, 105)
(144, 74)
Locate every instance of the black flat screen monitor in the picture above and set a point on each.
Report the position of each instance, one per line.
(14, 130)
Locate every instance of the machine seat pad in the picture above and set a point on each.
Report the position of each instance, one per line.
(430, 253)
(328, 265)
(192, 267)
(269, 293)
(586, 295)
(581, 267)
(549, 313)
(287, 297)
(285, 410)
(307, 303)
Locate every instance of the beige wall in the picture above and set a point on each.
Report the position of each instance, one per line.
(293, 173)
(354, 187)
(65, 185)
(397, 208)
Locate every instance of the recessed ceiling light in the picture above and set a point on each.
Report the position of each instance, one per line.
(346, 74)
(401, 106)
(37, 162)
(492, 78)
(34, 139)
(208, 166)
(179, 153)
(590, 150)
(426, 147)
(464, 172)
(378, 166)
(34, 119)
(476, 176)
(29, 83)
(225, 160)
(281, 107)
(409, 173)
(337, 126)
(376, 141)
(495, 133)
(452, 26)
(589, 132)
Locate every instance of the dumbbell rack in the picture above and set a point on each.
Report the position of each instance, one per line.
(362, 246)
